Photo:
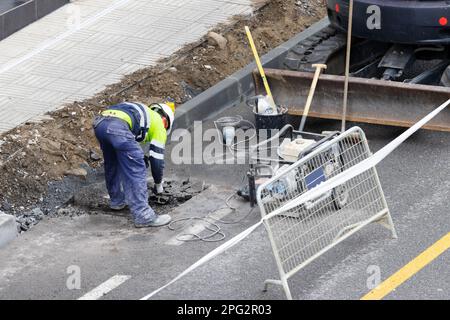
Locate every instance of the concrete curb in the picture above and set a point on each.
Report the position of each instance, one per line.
(8, 229)
(232, 90)
(22, 15)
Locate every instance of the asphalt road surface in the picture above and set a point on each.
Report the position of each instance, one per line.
(107, 253)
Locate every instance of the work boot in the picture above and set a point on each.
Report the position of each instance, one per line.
(118, 207)
(159, 221)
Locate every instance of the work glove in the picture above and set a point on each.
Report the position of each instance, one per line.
(147, 161)
(159, 188)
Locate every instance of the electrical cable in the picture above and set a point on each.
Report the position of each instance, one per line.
(211, 224)
(186, 237)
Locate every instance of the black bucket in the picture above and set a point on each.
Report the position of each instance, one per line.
(267, 121)
(270, 121)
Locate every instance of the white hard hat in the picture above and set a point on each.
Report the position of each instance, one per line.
(166, 111)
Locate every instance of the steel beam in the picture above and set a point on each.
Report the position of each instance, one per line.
(370, 101)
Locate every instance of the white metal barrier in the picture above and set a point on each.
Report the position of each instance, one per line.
(300, 235)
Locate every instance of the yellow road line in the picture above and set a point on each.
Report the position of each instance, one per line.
(410, 269)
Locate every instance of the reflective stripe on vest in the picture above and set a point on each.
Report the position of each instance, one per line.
(144, 121)
(120, 115)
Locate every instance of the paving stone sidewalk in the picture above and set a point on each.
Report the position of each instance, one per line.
(74, 52)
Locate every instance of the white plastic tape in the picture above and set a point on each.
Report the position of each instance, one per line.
(227, 245)
(339, 179)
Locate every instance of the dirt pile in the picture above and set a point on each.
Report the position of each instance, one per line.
(34, 154)
(207, 64)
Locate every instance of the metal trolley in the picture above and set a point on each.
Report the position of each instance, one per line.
(262, 166)
(301, 231)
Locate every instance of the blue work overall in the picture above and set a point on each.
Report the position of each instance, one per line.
(125, 169)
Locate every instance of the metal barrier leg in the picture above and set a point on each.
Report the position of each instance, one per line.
(282, 283)
(271, 281)
(386, 221)
(287, 291)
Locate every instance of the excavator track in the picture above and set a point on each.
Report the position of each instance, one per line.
(319, 48)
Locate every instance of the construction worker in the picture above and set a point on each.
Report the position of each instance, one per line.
(124, 131)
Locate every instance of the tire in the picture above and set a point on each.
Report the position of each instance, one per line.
(340, 197)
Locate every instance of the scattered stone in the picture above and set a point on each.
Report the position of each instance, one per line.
(70, 212)
(29, 219)
(50, 144)
(24, 222)
(37, 212)
(217, 40)
(94, 156)
(208, 67)
(189, 91)
(6, 206)
(173, 69)
(79, 172)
